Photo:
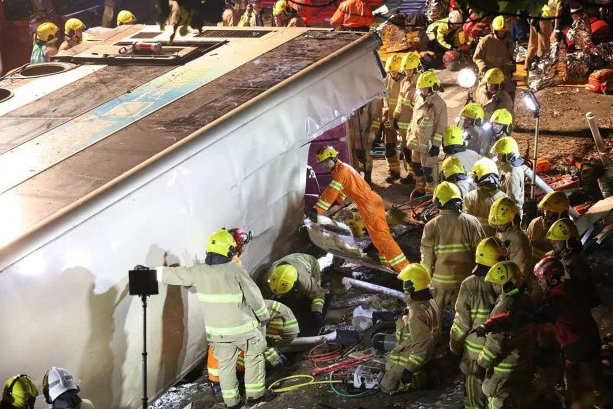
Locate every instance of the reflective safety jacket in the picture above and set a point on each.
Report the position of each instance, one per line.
(518, 250)
(390, 102)
(512, 182)
(428, 123)
(283, 327)
(478, 203)
(438, 31)
(468, 159)
(309, 278)
(494, 53)
(417, 333)
(448, 247)
(539, 245)
(232, 303)
(475, 302)
(499, 100)
(406, 102)
(509, 352)
(346, 183)
(352, 14)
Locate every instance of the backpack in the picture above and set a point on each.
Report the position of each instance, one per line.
(601, 81)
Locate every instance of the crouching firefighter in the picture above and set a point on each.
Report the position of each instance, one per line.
(347, 183)
(234, 311)
(417, 332)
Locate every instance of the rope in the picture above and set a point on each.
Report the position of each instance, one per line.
(310, 380)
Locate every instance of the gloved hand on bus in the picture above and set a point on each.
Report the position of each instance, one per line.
(313, 215)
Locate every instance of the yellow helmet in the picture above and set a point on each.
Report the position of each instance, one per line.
(125, 17)
(417, 275)
(484, 167)
(282, 279)
(280, 7)
(221, 242)
(446, 191)
(473, 111)
(503, 211)
(393, 63)
(502, 116)
(410, 61)
(556, 202)
(505, 146)
(453, 136)
(490, 251)
(562, 230)
(19, 392)
(428, 79)
(502, 273)
(326, 153)
(452, 166)
(493, 76)
(47, 33)
(500, 24)
(72, 25)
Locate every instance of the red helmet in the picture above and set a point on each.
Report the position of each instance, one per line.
(241, 237)
(550, 270)
(451, 60)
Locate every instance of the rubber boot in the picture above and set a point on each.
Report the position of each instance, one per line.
(407, 180)
(393, 176)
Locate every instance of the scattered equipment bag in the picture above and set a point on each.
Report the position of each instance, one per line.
(601, 81)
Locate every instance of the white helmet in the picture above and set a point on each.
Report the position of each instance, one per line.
(56, 382)
(455, 17)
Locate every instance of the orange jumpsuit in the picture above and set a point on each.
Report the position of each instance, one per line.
(353, 14)
(347, 183)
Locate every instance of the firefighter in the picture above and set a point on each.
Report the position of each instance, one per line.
(253, 15)
(347, 183)
(281, 330)
(300, 273)
(564, 238)
(353, 15)
(363, 128)
(425, 135)
(417, 332)
(490, 93)
(393, 82)
(61, 390)
(234, 311)
(477, 138)
(507, 357)
(511, 169)
(505, 218)
(502, 123)
(404, 108)
(230, 15)
(448, 244)
(455, 145)
(125, 17)
(44, 43)
(540, 34)
(73, 34)
(286, 16)
(575, 329)
(496, 50)
(242, 238)
(453, 171)
(442, 34)
(476, 299)
(19, 392)
(553, 206)
(479, 201)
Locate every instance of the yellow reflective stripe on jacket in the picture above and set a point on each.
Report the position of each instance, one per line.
(456, 328)
(416, 359)
(275, 309)
(317, 302)
(260, 311)
(472, 346)
(480, 313)
(251, 388)
(322, 204)
(213, 371)
(397, 260)
(221, 298)
(446, 279)
(229, 393)
(271, 355)
(451, 248)
(403, 125)
(241, 329)
(508, 367)
(437, 140)
(336, 185)
(342, 195)
(487, 354)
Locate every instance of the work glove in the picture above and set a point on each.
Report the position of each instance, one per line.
(140, 267)
(481, 331)
(216, 389)
(434, 151)
(318, 319)
(406, 376)
(283, 361)
(313, 215)
(396, 127)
